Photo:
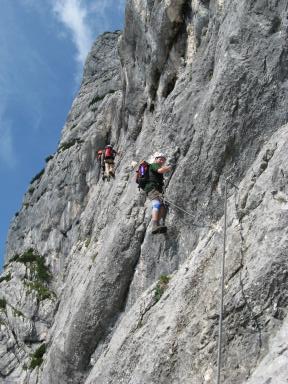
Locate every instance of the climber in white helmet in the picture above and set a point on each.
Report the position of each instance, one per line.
(154, 190)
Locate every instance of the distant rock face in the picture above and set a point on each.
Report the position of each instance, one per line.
(206, 83)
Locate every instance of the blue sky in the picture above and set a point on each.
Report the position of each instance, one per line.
(43, 45)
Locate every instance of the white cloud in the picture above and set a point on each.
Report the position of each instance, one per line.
(7, 155)
(73, 14)
(86, 19)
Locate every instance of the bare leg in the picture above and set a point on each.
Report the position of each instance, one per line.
(162, 214)
(156, 215)
(111, 169)
(107, 170)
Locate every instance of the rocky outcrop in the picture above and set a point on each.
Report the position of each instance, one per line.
(52, 221)
(205, 82)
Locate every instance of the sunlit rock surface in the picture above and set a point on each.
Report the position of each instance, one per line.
(206, 83)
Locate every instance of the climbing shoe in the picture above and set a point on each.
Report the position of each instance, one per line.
(162, 229)
(156, 228)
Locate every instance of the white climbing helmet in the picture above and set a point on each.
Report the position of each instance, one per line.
(158, 154)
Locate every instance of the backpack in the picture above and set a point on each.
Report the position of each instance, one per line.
(109, 153)
(142, 174)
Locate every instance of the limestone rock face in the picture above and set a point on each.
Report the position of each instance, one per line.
(88, 294)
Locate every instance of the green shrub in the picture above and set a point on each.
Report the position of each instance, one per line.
(210, 74)
(14, 258)
(93, 257)
(38, 176)
(39, 271)
(6, 277)
(43, 272)
(161, 286)
(27, 257)
(18, 313)
(40, 289)
(3, 303)
(38, 266)
(50, 157)
(37, 357)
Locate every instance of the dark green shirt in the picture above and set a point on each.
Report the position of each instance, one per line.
(155, 178)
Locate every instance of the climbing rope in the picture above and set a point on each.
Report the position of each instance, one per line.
(221, 310)
(187, 213)
(219, 359)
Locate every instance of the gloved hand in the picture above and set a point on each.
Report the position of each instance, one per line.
(172, 165)
(133, 164)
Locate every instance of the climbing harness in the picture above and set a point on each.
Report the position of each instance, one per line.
(219, 359)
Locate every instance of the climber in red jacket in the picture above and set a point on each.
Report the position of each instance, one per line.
(106, 158)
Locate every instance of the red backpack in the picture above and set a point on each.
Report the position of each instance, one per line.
(109, 152)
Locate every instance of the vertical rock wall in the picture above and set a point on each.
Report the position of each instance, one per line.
(204, 82)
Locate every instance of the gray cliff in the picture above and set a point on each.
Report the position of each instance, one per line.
(88, 295)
